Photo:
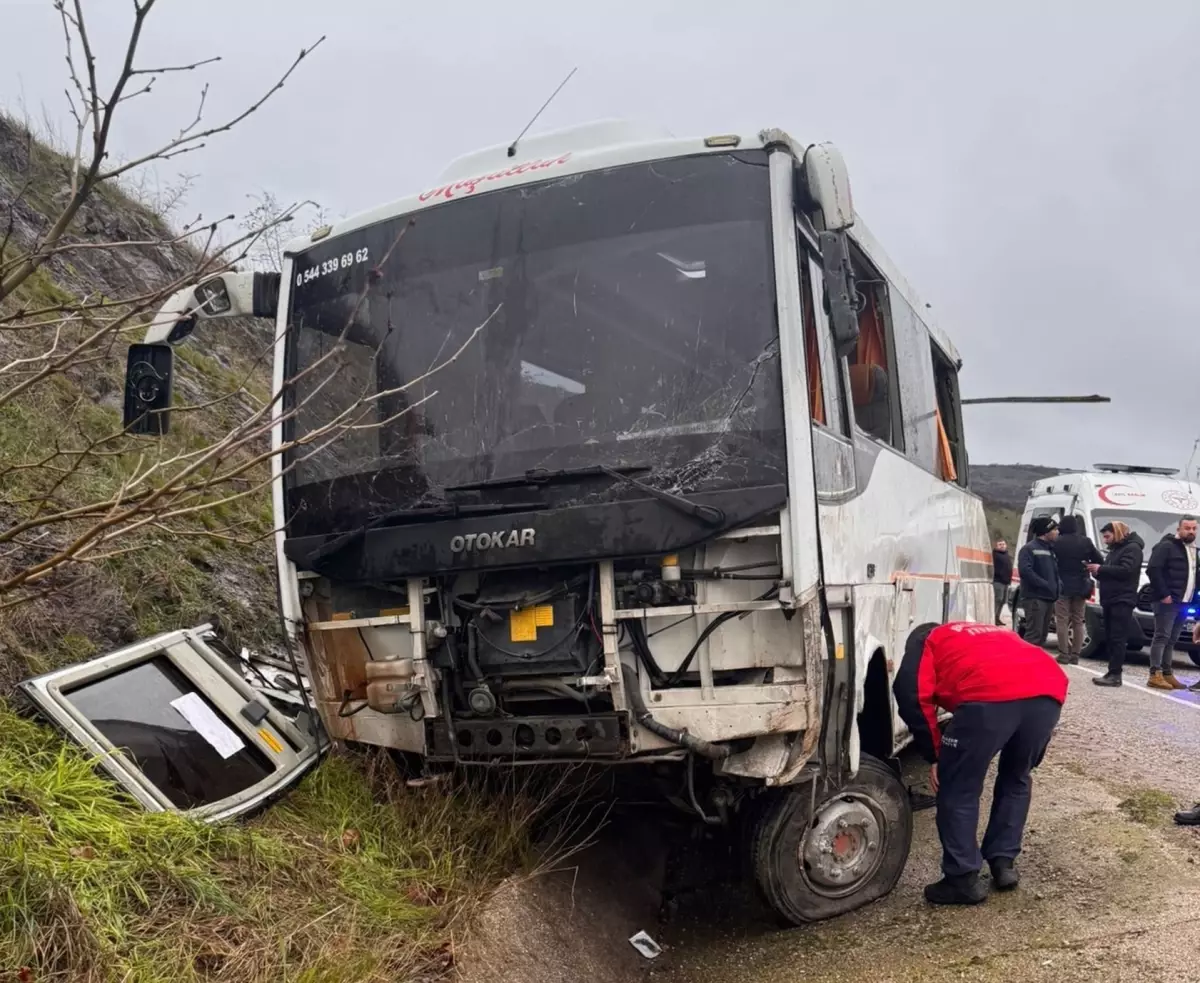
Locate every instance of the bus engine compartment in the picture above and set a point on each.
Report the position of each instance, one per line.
(595, 661)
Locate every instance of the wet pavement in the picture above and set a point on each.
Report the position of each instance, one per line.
(1110, 887)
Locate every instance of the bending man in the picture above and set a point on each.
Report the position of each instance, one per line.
(1006, 696)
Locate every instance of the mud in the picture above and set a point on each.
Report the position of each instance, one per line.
(1110, 888)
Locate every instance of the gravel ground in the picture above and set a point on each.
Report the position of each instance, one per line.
(1110, 889)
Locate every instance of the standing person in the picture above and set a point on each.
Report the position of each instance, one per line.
(1118, 577)
(1172, 573)
(1073, 551)
(1039, 578)
(1002, 568)
(1006, 696)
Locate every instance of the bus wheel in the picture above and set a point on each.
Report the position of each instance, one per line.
(818, 857)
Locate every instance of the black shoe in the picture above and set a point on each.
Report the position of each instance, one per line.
(967, 889)
(919, 801)
(1189, 817)
(1067, 660)
(1004, 874)
(1107, 680)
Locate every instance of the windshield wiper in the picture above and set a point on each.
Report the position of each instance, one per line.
(710, 515)
(541, 476)
(448, 510)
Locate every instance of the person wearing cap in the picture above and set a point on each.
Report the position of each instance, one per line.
(1005, 696)
(1040, 588)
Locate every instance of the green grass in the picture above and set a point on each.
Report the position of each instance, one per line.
(1147, 806)
(352, 877)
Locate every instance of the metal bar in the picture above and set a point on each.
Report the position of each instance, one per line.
(980, 400)
(711, 607)
(750, 532)
(608, 634)
(388, 619)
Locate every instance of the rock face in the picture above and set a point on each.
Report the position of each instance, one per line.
(169, 584)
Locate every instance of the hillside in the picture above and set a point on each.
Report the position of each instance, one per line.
(166, 585)
(354, 876)
(1004, 489)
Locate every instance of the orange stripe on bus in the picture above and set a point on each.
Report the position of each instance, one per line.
(979, 556)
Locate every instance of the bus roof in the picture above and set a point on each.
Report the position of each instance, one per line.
(592, 146)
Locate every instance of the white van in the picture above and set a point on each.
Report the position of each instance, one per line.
(1151, 501)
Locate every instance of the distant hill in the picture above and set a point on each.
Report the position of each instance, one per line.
(1004, 488)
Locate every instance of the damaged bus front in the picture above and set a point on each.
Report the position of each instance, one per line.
(566, 398)
(559, 481)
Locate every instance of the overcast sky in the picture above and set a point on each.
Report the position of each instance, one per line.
(1031, 170)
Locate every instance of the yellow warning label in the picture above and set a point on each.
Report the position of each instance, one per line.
(839, 651)
(269, 740)
(524, 622)
(522, 625)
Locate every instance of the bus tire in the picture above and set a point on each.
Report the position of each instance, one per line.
(816, 859)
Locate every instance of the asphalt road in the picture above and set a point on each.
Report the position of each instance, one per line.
(1110, 889)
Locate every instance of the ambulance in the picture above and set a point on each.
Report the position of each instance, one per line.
(1149, 500)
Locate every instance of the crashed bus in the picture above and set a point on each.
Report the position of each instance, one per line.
(656, 459)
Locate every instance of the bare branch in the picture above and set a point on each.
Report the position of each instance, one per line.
(186, 136)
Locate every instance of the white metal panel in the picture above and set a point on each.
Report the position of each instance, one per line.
(289, 587)
(801, 545)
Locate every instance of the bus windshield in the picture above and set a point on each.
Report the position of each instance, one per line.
(623, 317)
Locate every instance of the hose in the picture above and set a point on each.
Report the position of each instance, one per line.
(641, 648)
(680, 738)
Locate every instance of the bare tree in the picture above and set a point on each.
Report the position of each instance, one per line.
(273, 224)
(75, 488)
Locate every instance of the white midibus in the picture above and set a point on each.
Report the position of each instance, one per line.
(663, 461)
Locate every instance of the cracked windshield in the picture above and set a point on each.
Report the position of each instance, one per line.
(622, 317)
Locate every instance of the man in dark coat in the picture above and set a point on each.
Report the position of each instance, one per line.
(1006, 696)
(1118, 577)
(1002, 568)
(1039, 579)
(1173, 581)
(1073, 551)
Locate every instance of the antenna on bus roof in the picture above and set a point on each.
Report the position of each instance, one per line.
(512, 147)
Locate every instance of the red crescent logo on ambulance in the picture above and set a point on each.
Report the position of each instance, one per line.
(1119, 495)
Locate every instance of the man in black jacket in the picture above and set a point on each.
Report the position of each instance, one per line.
(1173, 581)
(1039, 579)
(1002, 567)
(1118, 577)
(1073, 551)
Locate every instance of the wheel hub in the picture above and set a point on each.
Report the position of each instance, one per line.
(843, 845)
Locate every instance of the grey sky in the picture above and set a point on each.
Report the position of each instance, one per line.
(1032, 171)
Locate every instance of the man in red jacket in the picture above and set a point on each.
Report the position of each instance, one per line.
(1006, 696)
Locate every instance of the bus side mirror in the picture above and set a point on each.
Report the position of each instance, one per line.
(840, 291)
(828, 184)
(148, 371)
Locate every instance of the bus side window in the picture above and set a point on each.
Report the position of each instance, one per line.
(826, 393)
(951, 448)
(874, 385)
